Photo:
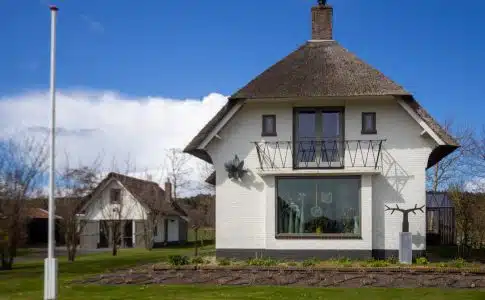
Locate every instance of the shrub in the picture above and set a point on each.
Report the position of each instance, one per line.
(178, 260)
(345, 261)
(224, 262)
(376, 263)
(292, 263)
(392, 260)
(198, 260)
(262, 262)
(458, 263)
(309, 262)
(422, 261)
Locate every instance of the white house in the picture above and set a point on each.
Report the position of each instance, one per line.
(327, 142)
(131, 202)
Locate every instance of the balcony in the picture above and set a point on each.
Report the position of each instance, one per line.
(315, 156)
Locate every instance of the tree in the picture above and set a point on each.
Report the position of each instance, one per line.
(154, 198)
(178, 170)
(476, 164)
(205, 170)
(114, 212)
(465, 217)
(201, 212)
(22, 166)
(116, 208)
(451, 169)
(74, 184)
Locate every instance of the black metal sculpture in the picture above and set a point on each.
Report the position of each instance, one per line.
(322, 2)
(405, 213)
(235, 168)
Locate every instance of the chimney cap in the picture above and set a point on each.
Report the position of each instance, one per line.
(53, 8)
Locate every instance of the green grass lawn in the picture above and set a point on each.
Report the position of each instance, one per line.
(26, 282)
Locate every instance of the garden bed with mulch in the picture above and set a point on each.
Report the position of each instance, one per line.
(395, 277)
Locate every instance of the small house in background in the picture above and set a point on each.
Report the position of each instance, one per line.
(130, 201)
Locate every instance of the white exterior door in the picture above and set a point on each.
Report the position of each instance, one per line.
(173, 230)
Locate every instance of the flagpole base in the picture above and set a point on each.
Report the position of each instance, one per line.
(50, 279)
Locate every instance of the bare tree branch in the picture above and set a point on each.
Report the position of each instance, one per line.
(22, 165)
(178, 170)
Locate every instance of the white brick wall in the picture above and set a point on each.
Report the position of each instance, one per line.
(245, 210)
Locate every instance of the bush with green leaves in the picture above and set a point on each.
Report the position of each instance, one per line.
(393, 260)
(266, 262)
(377, 263)
(345, 261)
(422, 261)
(292, 264)
(198, 260)
(178, 260)
(458, 263)
(310, 262)
(224, 262)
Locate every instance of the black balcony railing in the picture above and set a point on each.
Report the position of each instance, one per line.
(324, 154)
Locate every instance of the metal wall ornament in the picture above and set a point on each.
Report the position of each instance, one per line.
(235, 168)
(405, 213)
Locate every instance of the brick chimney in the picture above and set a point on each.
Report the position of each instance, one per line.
(322, 16)
(168, 191)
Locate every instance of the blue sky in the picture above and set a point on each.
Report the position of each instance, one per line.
(191, 48)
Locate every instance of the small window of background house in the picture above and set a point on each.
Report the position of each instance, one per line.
(115, 195)
(369, 123)
(269, 125)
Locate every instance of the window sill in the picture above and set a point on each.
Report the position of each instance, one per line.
(323, 236)
(269, 134)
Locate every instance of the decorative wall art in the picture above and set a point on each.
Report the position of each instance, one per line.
(235, 168)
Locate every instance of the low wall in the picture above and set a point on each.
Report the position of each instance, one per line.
(306, 277)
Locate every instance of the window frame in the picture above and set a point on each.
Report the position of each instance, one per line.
(374, 123)
(111, 198)
(318, 124)
(315, 236)
(272, 131)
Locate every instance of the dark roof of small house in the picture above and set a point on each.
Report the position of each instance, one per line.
(147, 192)
(322, 69)
(38, 213)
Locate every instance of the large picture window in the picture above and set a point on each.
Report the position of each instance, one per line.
(313, 207)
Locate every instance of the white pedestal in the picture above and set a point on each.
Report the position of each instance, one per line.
(405, 247)
(50, 279)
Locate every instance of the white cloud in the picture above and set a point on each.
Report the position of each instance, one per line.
(476, 185)
(91, 123)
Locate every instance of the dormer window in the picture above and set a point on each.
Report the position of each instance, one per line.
(269, 125)
(369, 123)
(115, 196)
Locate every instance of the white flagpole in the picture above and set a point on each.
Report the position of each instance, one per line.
(50, 265)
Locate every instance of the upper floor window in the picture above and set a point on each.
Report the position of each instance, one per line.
(318, 137)
(115, 196)
(269, 125)
(369, 123)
